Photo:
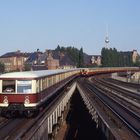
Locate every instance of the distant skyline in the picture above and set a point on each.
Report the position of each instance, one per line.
(27, 25)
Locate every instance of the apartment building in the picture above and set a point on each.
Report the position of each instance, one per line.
(14, 61)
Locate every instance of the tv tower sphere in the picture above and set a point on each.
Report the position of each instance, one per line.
(106, 40)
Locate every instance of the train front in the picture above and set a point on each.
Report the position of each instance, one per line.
(17, 95)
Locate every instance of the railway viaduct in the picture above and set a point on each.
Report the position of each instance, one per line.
(47, 126)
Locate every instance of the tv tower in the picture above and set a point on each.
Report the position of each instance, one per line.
(106, 38)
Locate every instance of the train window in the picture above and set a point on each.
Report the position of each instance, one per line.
(37, 85)
(57, 78)
(40, 85)
(54, 79)
(63, 76)
(49, 81)
(8, 86)
(43, 83)
(46, 82)
(24, 86)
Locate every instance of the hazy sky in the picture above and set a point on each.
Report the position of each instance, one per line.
(30, 24)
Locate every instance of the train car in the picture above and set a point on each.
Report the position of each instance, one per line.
(26, 92)
(93, 71)
(84, 71)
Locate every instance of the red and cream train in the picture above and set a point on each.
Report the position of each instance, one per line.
(26, 92)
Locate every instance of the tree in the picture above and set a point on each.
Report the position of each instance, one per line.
(113, 58)
(61, 49)
(76, 55)
(58, 48)
(104, 55)
(110, 57)
(81, 58)
(73, 54)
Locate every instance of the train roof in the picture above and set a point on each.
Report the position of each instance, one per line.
(33, 74)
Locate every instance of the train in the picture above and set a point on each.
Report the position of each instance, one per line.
(93, 71)
(26, 92)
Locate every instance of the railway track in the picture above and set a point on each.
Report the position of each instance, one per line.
(130, 118)
(4, 122)
(10, 127)
(17, 128)
(127, 116)
(120, 89)
(119, 94)
(134, 86)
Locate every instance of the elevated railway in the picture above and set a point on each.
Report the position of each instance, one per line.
(46, 96)
(109, 102)
(118, 91)
(125, 113)
(133, 86)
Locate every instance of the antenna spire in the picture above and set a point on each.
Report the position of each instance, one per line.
(106, 38)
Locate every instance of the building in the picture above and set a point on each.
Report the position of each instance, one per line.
(92, 60)
(33, 59)
(135, 56)
(14, 61)
(41, 61)
(96, 60)
(50, 62)
(130, 56)
(65, 62)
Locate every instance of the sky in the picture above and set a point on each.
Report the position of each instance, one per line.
(27, 25)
